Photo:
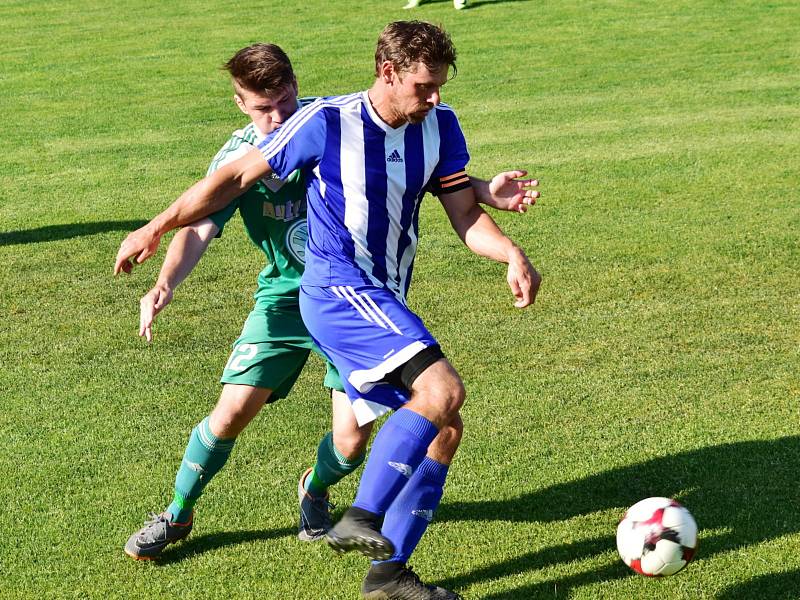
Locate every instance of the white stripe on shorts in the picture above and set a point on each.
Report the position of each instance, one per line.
(366, 379)
(342, 293)
(367, 411)
(381, 313)
(365, 306)
(353, 297)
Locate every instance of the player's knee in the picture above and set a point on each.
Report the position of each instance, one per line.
(228, 422)
(224, 424)
(446, 400)
(461, 396)
(438, 393)
(453, 394)
(352, 443)
(235, 409)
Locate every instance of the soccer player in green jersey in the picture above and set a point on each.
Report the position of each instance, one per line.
(274, 344)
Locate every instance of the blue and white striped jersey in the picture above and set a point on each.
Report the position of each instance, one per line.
(365, 181)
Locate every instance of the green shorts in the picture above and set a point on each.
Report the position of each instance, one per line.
(271, 351)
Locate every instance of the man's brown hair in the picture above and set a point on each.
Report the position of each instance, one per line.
(405, 43)
(261, 68)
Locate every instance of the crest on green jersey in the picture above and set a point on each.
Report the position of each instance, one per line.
(296, 237)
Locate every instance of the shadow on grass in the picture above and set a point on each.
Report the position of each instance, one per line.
(51, 233)
(778, 586)
(748, 491)
(212, 541)
(542, 559)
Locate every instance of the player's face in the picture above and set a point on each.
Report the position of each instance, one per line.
(268, 111)
(418, 91)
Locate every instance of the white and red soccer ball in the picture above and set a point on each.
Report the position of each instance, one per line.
(657, 537)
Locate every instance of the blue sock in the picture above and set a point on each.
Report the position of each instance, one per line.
(397, 451)
(205, 455)
(409, 515)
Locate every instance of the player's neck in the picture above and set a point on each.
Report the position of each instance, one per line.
(381, 104)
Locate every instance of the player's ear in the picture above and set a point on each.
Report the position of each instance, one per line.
(295, 87)
(240, 103)
(386, 72)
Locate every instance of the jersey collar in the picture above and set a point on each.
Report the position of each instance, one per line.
(391, 131)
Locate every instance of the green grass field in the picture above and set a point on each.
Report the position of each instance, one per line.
(661, 358)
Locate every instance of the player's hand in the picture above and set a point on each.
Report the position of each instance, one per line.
(139, 245)
(523, 279)
(152, 303)
(511, 193)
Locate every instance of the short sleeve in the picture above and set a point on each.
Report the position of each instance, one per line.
(450, 174)
(299, 143)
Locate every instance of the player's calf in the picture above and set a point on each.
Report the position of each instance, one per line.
(444, 446)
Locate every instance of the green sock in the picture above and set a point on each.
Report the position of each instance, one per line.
(331, 467)
(205, 455)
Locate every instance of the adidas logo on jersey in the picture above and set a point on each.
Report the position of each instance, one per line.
(394, 157)
(402, 468)
(426, 514)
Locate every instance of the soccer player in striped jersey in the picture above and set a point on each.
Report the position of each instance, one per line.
(362, 236)
(370, 157)
(274, 344)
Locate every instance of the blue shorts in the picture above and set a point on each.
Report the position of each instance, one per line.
(367, 333)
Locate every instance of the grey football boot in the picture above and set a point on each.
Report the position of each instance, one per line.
(395, 581)
(158, 532)
(315, 513)
(360, 530)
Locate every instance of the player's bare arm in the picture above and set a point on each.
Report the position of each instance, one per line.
(206, 196)
(183, 254)
(482, 235)
(507, 191)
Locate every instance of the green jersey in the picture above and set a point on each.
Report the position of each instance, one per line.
(274, 214)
